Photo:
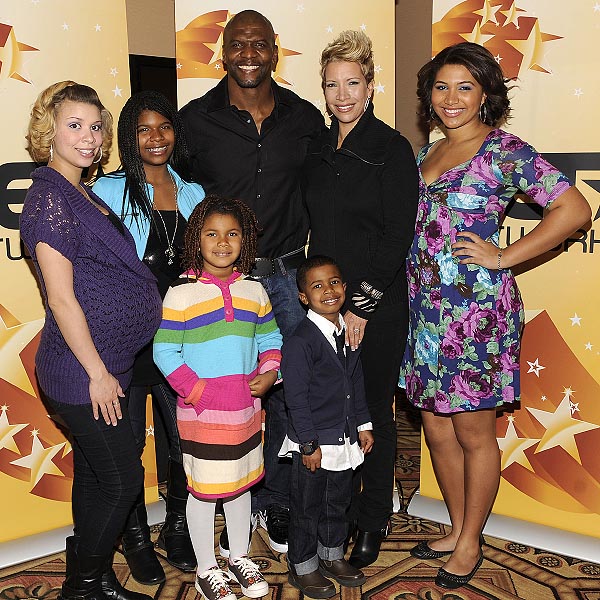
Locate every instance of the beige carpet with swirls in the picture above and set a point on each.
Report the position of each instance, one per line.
(509, 570)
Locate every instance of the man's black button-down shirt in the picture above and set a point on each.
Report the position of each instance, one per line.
(230, 158)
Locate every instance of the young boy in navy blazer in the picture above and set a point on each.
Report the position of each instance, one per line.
(329, 431)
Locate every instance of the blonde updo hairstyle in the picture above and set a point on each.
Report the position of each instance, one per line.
(350, 46)
(42, 124)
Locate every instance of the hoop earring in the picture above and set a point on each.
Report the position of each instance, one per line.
(483, 113)
(95, 162)
(432, 115)
(367, 102)
(51, 153)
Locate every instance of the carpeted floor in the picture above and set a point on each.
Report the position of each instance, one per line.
(509, 570)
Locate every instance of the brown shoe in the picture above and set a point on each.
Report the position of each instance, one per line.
(313, 585)
(342, 571)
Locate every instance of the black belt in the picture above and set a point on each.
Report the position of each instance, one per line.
(265, 267)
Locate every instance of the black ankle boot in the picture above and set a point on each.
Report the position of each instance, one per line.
(113, 590)
(174, 536)
(367, 545)
(83, 574)
(139, 549)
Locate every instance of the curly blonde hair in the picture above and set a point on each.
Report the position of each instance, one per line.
(42, 124)
(350, 46)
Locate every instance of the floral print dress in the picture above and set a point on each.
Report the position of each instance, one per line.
(465, 320)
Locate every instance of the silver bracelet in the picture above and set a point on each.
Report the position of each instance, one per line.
(500, 250)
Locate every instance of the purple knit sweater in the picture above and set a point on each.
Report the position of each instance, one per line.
(116, 291)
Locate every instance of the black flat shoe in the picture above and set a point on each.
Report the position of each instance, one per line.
(424, 551)
(451, 581)
(367, 545)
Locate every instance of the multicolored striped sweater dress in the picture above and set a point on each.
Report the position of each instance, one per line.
(214, 337)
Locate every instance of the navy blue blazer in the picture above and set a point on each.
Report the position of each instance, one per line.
(324, 399)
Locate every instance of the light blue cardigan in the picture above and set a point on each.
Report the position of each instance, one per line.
(110, 189)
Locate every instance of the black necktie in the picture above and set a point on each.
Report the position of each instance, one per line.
(339, 346)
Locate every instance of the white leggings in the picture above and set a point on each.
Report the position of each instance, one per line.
(201, 523)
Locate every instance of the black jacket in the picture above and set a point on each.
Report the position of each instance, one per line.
(325, 401)
(362, 203)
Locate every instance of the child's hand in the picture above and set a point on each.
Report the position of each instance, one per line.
(312, 462)
(366, 440)
(261, 384)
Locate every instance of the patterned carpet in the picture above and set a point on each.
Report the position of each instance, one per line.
(509, 570)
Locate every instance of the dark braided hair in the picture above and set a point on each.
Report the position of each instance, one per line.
(132, 165)
(213, 204)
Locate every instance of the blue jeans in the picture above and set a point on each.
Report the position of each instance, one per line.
(318, 524)
(107, 475)
(275, 488)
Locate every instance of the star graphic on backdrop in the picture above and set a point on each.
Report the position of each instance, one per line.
(329, 29)
(150, 431)
(300, 7)
(378, 68)
(532, 48)
(498, 58)
(543, 398)
(97, 27)
(113, 71)
(510, 418)
(512, 15)
(575, 320)
(380, 88)
(476, 36)
(11, 54)
(36, 2)
(535, 367)
(574, 407)
(65, 27)
(117, 91)
(8, 431)
(363, 27)
(578, 92)
(40, 460)
(568, 392)
(319, 104)
(217, 66)
(13, 339)
(589, 346)
(513, 448)
(597, 7)
(561, 428)
(178, 66)
(488, 12)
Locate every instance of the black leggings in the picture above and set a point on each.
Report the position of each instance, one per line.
(107, 475)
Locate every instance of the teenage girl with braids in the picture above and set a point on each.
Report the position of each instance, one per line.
(154, 195)
(219, 347)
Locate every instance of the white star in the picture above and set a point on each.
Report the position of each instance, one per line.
(597, 7)
(217, 66)
(574, 406)
(318, 104)
(65, 27)
(117, 91)
(363, 27)
(378, 68)
(329, 29)
(510, 418)
(535, 367)
(498, 58)
(98, 27)
(36, 2)
(380, 88)
(568, 392)
(178, 65)
(300, 7)
(544, 398)
(575, 320)
(588, 346)
(150, 431)
(113, 71)
(577, 93)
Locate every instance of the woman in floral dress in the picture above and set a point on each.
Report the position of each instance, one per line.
(462, 356)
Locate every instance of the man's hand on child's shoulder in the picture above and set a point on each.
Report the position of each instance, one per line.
(366, 440)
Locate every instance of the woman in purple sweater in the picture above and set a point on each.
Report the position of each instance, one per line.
(102, 307)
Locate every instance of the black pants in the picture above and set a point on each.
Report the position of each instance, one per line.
(107, 475)
(318, 505)
(381, 355)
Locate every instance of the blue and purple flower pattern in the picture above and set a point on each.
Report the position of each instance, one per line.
(465, 320)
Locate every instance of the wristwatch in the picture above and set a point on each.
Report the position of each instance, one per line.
(309, 448)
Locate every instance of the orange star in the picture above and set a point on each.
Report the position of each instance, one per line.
(513, 448)
(11, 61)
(532, 48)
(8, 431)
(40, 460)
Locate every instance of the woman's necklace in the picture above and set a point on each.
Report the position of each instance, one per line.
(170, 251)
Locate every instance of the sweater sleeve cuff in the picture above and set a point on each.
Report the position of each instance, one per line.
(194, 396)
